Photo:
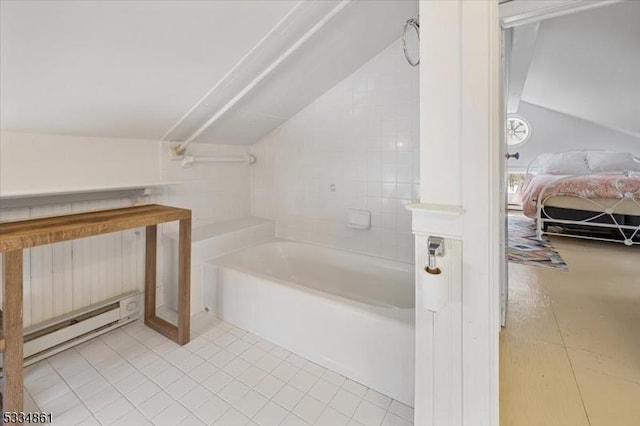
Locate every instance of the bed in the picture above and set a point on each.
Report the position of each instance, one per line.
(591, 194)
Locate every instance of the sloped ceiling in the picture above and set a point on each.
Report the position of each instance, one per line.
(134, 69)
(588, 65)
(119, 68)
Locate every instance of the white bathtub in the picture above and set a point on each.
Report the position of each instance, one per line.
(351, 313)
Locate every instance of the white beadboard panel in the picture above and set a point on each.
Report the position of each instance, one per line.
(361, 136)
(63, 277)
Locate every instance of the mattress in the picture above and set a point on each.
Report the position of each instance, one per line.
(620, 192)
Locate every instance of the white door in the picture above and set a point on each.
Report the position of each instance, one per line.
(504, 195)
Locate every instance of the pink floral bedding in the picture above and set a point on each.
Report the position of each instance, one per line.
(588, 186)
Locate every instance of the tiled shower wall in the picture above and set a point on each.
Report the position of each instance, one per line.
(214, 192)
(361, 136)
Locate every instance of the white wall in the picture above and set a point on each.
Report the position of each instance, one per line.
(553, 131)
(64, 277)
(31, 162)
(213, 191)
(361, 136)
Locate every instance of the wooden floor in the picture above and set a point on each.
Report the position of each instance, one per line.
(570, 354)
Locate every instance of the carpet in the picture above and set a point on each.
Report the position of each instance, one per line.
(524, 248)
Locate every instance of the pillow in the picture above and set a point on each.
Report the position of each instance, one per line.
(564, 163)
(607, 161)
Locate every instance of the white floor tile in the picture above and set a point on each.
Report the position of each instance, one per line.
(188, 363)
(288, 397)
(222, 358)
(280, 352)
(50, 394)
(233, 391)
(345, 402)
(225, 340)
(132, 381)
(62, 404)
(37, 371)
(355, 388)
(155, 405)
(207, 351)
(269, 386)
(122, 381)
(270, 415)
(196, 397)
(239, 346)
(236, 367)
(168, 376)
(391, 419)
(82, 378)
(369, 414)
(155, 367)
(252, 376)
(251, 403)
(332, 417)
(217, 381)
(114, 411)
(172, 416)
(377, 398)
(232, 418)
(303, 380)
(211, 410)
(323, 391)
(133, 418)
(142, 393)
(191, 420)
(253, 354)
(72, 417)
(296, 359)
(202, 372)
(181, 386)
(285, 371)
(293, 420)
(92, 421)
(268, 362)
(401, 410)
(43, 382)
(314, 368)
(102, 399)
(309, 409)
(89, 389)
(333, 377)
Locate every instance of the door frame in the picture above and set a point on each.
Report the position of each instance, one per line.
(460, 167)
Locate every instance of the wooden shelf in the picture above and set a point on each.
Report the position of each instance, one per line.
(18, 235)
(2, 345)
(34, 232)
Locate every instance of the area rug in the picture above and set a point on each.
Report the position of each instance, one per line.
(524, 248)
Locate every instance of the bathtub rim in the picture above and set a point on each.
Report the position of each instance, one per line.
(404, 315)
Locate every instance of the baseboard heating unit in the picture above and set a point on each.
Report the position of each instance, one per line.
(56, 335)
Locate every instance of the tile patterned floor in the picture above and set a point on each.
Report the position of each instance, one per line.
(225, 376)
(570, 352)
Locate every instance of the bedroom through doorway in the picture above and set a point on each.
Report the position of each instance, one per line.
(569, 347)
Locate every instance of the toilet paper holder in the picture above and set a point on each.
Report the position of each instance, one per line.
(435, 248)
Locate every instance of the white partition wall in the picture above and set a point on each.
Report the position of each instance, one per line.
(457, 346)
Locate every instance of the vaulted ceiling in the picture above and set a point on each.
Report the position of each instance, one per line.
(586, 65)
(136, 68)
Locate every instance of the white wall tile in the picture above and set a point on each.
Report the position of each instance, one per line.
(359, 136)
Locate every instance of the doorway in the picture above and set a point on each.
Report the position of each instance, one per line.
(569, 353)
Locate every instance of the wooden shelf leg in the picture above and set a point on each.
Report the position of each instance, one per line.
(184, 282)
(12, 331)
(150, 270)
